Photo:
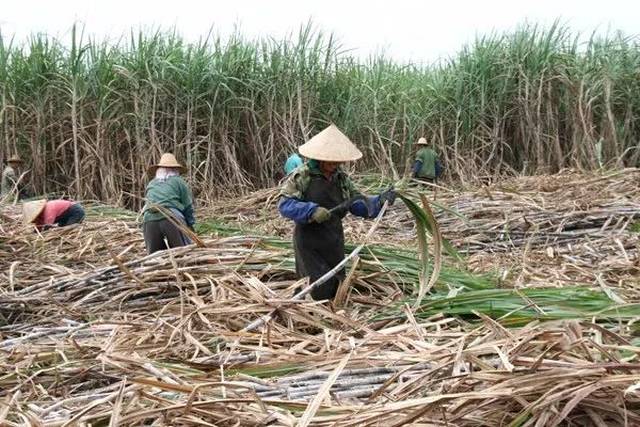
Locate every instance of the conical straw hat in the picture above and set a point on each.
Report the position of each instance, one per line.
(422, 141)
(31, 210)
(14, 159)
(167, 160)
(330, 145)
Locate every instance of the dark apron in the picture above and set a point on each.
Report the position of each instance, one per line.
(320, 247)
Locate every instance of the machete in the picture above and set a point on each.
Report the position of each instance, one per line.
(343, 207)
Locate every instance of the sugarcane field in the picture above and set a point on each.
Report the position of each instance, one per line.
(266, 231)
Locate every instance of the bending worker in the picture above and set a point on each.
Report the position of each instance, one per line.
(46, 214)
(171, 193)
(427, 166)
(316, 196)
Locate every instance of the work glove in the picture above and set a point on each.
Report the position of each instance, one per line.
(388, 196)
(320, 215)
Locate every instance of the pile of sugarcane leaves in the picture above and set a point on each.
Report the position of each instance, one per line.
(550, 230)
(95, 332)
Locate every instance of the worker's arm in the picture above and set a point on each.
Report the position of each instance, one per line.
(292, 204)
(296, 210)
(359, 207)
(417, 165)
(438, 168)
(186, 198)
(189, 216)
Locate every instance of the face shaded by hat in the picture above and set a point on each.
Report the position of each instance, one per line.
(422, 141)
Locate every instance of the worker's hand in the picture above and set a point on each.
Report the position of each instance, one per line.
(388, 196)
(320, 215)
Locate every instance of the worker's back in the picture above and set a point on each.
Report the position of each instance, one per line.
(428, 157)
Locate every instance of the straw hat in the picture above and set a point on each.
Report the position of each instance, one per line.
(167, 160)
(422, 141)
(31, 210)
(14, 159)
(330, 145)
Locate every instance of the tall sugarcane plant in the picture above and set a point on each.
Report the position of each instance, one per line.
(91, 115)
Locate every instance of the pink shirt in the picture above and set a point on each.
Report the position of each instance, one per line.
(52, 210)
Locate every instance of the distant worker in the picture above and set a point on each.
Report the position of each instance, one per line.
(427, 166)
(11, 183)
(316, 196)
(169, 191)
(293, 162)
(45, 214)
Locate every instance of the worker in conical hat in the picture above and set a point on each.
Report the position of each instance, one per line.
(11, 179)
(167, 194)
(316, 196)
(46, 214)
(427, 166)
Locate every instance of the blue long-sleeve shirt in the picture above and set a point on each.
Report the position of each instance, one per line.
(293, 206)
(296, 210)
(300, 211)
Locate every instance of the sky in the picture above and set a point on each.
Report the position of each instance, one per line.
(408, 31)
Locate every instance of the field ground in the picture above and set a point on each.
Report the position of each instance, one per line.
(534, 324)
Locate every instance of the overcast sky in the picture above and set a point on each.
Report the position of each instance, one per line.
(415, 31)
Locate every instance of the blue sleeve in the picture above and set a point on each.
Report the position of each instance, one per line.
(359, 207)
(438, 168)
(417, 166)
(189, 217)
(296, 210)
